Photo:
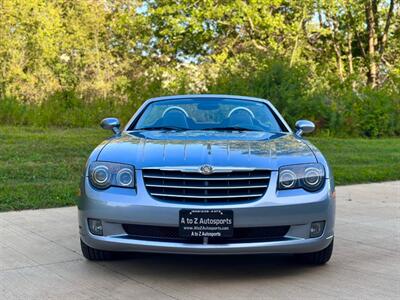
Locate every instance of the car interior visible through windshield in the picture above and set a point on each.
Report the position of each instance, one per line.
(208, 114)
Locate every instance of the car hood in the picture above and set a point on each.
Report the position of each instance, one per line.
(193, 148)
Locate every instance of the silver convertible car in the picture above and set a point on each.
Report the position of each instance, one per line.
(207, 174)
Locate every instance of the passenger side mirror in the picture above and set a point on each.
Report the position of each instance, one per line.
(111, 124)
(304, 126)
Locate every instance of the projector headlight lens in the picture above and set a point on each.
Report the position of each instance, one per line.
(125, 177)
(287, 179)
(313, 178)
(102, 175)
(310, 177)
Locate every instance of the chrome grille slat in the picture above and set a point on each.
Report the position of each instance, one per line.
(200, 178)
(207, 196)
(222, 187)
(207, 187)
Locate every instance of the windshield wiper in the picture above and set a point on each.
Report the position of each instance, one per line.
(163, 128)
(230, 128)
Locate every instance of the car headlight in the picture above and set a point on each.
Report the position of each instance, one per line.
(102, 175)
(310, 177)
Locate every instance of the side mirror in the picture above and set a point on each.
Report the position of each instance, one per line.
(111, 124)
(304, 126)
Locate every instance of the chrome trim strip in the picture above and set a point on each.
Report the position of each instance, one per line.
(206, 187)
(205, 196)
(175, 107)
(197, 169)
(243, 108)
(206, 179)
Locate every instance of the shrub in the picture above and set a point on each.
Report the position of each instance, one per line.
(336, 108)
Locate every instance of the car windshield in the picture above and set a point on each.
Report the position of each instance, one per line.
(208, 114)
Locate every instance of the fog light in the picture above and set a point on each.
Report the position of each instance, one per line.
(317, 228)
(95, 226)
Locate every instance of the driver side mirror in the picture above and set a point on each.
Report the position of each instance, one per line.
(111, 124)
(304, 126)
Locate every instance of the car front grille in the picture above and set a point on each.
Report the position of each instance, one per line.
(192, 187)
(171, 234)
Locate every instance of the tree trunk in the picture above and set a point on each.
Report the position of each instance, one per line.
(296, 43)
(339, 61)
(383, 39)
(337, 48)
(372, 67)
(350, 52)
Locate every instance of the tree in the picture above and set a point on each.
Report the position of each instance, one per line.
(362, 30)
(114, 48)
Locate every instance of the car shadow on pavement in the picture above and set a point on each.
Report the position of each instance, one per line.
(204, 268)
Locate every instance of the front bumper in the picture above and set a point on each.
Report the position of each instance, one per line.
(296, 208)
(287, 246)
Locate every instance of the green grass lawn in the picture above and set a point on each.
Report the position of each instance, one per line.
(41, 167)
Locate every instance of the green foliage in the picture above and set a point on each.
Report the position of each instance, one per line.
(371, 113)
(337, 110)
(71, 63)
(64, 109)
(286, 87)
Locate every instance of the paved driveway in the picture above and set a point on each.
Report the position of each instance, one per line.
(40, 258)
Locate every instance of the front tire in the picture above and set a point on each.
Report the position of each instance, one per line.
(318, 258)
(95, 254)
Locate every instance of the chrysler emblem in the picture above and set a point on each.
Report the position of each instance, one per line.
(206, 170)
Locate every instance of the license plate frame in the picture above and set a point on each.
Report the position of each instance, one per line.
(206, 223)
